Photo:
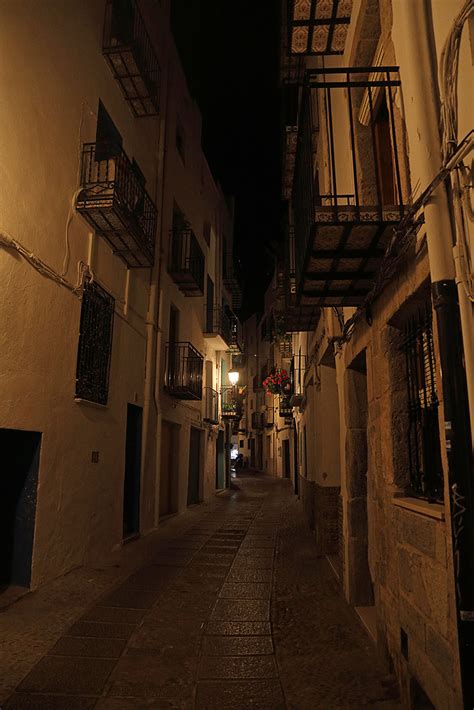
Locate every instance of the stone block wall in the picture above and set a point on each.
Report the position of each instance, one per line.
(326, 519)
(307, 500)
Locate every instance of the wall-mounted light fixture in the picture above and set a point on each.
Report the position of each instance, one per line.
(233, 377)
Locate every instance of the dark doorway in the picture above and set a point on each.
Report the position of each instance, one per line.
(286, 458)
(194, 475)
(220, 460)
(168, 468)
(252, 453)
(260, 452)
(18, 486)
(131, 486)
(295, 459)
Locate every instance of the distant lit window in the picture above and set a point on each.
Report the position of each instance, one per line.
(180, 140)
(95, 344)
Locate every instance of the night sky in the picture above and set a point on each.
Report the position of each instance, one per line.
(230, 55)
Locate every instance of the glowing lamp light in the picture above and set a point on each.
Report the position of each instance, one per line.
(233, 377)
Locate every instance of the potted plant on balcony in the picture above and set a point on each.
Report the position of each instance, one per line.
(277, 382)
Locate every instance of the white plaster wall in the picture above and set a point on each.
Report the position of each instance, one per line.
(52, 75)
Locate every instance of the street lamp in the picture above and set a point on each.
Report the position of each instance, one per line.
(233, 377)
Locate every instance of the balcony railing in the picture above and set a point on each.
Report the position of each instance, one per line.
(318, 27)
(285, 408)
(236, 343)
(231, 279)
(269, 417)
(183, 371)
(186, 261)
(257, 420)
(130, 54)
(341, 236)
(211, 405)
(116, 205)
(218, 324)
(231, 405)
(290, 315)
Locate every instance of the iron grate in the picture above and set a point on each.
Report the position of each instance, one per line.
(95, 344)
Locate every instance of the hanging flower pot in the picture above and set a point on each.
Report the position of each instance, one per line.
(277, 382)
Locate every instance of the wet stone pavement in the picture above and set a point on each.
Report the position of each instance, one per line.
(235, 612)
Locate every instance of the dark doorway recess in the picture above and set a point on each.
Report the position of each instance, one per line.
(194, 476)
(252, 453)
(131, 487)
(220, 460)
(295, 457)
(168, 469)
(286, 458)
(18, 486)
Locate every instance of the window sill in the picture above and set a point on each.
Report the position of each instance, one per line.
(88, 403)
(417, 505)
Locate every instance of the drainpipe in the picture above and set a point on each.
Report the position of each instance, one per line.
(152, 409)
(412, 26)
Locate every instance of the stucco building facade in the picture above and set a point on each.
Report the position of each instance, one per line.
(376, 300)
(118, 286)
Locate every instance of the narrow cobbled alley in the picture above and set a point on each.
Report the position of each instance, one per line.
(233, 610)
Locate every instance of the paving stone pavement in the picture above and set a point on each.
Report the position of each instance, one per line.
(234, 611)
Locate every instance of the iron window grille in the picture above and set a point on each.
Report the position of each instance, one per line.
(186, 260)
(114, 201)
(95, 344)
(131, 56)
(425, 467)
(183, 371)
(211, 405)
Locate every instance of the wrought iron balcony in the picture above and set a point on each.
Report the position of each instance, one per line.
(288, 315)
(218, 327)
(285, 408)
(130, 54)
(257, 420)
(186, 261)
(183, 371)
(211, 405)
(113, 200)
(269, 417)
(236, 344)
(341, 236)
(231, 404)
(231, 279)
(318, 27)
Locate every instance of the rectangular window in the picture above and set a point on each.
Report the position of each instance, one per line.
(426, 473)
(95, 344)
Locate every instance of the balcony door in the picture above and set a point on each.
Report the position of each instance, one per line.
(173, 338)
(131, 487)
